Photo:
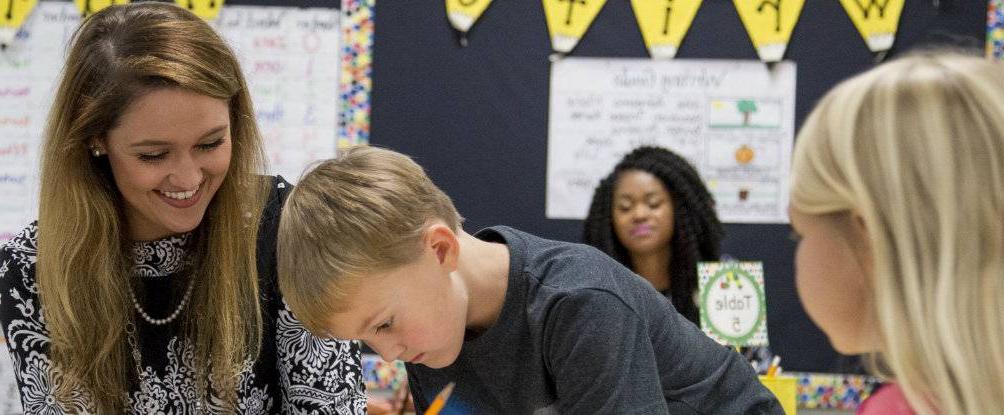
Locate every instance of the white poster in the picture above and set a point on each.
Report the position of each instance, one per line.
(733, 120)
(29, 68)
(290, 58)
(289, 55)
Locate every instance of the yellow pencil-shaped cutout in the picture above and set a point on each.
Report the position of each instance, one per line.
(440, 401)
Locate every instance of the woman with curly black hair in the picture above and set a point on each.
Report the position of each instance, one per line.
(654, 215)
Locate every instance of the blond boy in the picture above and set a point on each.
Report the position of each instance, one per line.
(370, 249)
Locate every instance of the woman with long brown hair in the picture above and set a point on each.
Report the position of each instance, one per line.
(147, 285)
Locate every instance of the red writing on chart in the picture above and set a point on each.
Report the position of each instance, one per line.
(270, 42)
(19, 149)
(15, 92)
(311, 42)
(267, 66)
(15, 121)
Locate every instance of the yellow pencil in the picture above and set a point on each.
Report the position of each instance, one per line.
(772, 369)
(440, 401)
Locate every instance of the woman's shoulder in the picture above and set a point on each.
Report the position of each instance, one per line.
(278, 190)
(20, 251)
(17, 279)
(269, 227)
(278, 185)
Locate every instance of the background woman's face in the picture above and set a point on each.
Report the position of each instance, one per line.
(169, 154)
(642, 213)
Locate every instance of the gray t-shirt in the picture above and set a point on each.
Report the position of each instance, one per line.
(580, 334)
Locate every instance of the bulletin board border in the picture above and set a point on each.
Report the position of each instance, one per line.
(356, 83)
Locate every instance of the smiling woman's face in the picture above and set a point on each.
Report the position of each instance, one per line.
(169, 153)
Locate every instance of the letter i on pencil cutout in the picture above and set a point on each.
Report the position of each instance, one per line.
(440, 401)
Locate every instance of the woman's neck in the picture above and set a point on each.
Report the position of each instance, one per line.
(654, 268)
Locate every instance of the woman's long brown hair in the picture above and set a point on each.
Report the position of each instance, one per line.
(83, 263)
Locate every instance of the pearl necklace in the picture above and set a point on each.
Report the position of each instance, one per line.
(170, 318)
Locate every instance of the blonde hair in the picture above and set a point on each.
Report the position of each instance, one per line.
(916, 148)
(362, 212)
(84, 260)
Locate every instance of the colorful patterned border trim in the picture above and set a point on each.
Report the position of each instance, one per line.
(995, 29)
(833, 391)
(381, 376)
(357, 68)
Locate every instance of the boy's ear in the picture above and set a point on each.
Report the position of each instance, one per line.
(444, 243)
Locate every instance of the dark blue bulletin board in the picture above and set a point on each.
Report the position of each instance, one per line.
(476, 117)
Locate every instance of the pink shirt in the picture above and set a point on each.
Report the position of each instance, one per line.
(889, 399)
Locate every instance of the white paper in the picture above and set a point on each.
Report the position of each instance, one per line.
(289, 55)
(601, 109)
(29, 69)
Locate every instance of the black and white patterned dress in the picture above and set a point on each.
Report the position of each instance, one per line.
(295, 372)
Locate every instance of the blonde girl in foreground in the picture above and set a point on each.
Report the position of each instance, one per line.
(898, 194)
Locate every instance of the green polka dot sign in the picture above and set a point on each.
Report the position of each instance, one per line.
(731, 298)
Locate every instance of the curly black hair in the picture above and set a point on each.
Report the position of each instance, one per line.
(696, 233)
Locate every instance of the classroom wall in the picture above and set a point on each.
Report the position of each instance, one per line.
(335, 4)
(476, 117)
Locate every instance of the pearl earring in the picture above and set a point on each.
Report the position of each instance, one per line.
(96, 152)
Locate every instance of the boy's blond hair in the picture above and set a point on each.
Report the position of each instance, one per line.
(359, 213)
(916, 148)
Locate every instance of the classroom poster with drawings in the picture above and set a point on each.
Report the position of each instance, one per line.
(733, 120)
(289, 55)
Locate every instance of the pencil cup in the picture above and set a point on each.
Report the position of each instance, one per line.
(783, 388)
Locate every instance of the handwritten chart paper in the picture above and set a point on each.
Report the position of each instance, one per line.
(733, 120)
(289, 55)
(29, 68)
(290, 58)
